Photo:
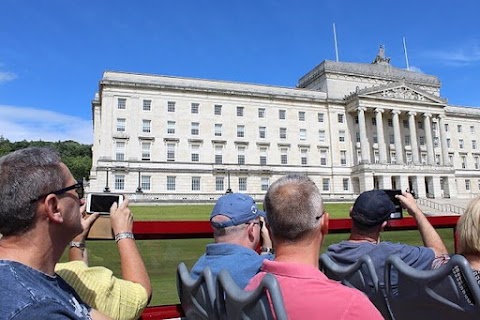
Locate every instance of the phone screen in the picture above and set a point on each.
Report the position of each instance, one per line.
(102, 202)
(398, 214)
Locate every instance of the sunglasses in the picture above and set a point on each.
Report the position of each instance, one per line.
(77, 186)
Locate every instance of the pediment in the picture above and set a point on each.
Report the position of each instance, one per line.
(399, 91)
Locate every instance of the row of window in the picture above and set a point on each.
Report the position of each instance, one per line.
(242, 183)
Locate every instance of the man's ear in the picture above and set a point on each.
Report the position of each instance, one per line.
(52, 209)
(324, 223)
(384, 224)
(350, 211)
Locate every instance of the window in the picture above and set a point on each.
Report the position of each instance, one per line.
(121, 124)
(283, 133)
(195, 152)
(435, 142)
(170, 152)
(345, 184)
(472, 129)
(171, 183)
(376, 156)
(374, 121)
(194, 107)
(264, 183)
(356, 119)
(390, 122)
(341, 135)
(262, 132)
(218, 111)
(240, 131)
(343, 157)
(467, 184)
(434, 126)
(284, 156)
(340, 117)
(281, 114)
(263, 156)
(146, 126)
(195, 130)
(460, 143)
(241, 155)
(420, 125)
(422, 140)
(242, 184)
(446, 127)
(393, 157)
(119, 182)
(321, 135)
(261, 112)
(146, 151)
(476, 160)
(122, 103)
(449, 143)
(218, 154)
(320, 117)
(392, 139)
(450, 159)
(303, 134)
(375, 138)
(301, 115)
(437, 159)
(357, 136)
(325, 184)
(195, 183)
(240, 111)
(303, 156)
(145, 182)
(218, 130)
(408, 156)
(147, 104)
(423, 157)
(323, 157)
(171, 106)
(171, 127)
(120, 151)
(464, 162)
(407, 140)
(219, 186)
(405, 124)
(459, 128)
(474, 144)
(359, 156)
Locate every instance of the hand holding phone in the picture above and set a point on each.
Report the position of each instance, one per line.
(398, 213)
(102, 202)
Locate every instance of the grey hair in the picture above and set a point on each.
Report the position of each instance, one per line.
(294, 207)
(25, 175)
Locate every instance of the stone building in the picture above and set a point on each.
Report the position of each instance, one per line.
(349, 126)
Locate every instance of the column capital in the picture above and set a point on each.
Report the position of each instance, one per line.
(442, 116)
(361, 109)
(379, 110)
(412, 113)
(427, 115)
(396, 111)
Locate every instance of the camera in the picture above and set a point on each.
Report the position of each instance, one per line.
(101, 202)
(398, 213)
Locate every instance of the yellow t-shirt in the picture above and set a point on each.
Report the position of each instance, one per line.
(99, 288)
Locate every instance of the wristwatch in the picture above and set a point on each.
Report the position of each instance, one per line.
(266, 250)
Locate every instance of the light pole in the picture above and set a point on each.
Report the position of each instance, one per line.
(228, 177)
(139, 188)
(107, 189)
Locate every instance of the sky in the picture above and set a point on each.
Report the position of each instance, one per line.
(53, 52)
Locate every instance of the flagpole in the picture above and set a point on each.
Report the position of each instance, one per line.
(405, 50)
(335, 40)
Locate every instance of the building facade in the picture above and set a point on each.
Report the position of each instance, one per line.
(351, 127)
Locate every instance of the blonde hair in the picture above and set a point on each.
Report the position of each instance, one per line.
(468, 229)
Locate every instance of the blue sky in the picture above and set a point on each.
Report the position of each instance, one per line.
(53, 52)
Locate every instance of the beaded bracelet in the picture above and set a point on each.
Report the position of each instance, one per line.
(124, 235)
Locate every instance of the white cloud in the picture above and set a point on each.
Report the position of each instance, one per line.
(7, 76)
(20, 123)
(459, 56)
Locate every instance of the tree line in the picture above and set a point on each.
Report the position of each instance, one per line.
(77, 156)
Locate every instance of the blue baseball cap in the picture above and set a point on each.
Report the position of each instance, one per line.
(239, 207)
(372, 208)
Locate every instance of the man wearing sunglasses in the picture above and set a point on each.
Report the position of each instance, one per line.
(238, 228)
(39, 215)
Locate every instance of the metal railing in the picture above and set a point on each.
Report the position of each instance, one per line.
(441, 207)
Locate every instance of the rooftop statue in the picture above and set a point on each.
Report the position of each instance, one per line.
(380, 58)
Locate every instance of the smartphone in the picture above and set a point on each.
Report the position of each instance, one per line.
(398, 214)
(101, 202)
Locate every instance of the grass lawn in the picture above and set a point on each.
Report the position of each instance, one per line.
(162, 256)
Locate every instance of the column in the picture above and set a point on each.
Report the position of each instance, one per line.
(443, 139)
(382, 147)
(397, 136)
(421, 188)
(364, 147)
(413, 136)
(429, 139)
(437, 187)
